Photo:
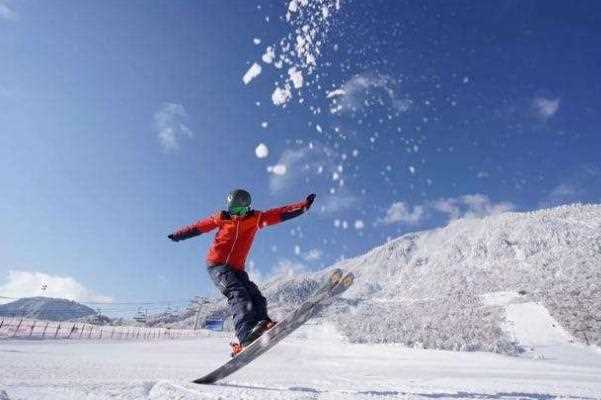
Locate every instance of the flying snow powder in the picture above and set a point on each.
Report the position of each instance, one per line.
(262, 151)
(252, 73)
(281, 96)
(269, 55)
(309, 22)
(296, 77)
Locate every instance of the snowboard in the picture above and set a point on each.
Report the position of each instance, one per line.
(336, 283)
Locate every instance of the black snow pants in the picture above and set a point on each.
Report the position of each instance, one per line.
(245, 300)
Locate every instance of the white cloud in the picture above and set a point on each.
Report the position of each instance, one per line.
(363, 90)
(298, 163)
(311, 164)
(331, 204)
(169, 125)
(466, 206)
(401, 212)
(544, 107)
(562, 194)
(278, 169)
(312, 255)
(471, 206)
(6, 12)
(581, 184)
(28, 284)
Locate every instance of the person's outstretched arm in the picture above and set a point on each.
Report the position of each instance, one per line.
(199, 227)
(281, 214)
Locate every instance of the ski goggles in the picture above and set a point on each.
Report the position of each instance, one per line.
(239, 210)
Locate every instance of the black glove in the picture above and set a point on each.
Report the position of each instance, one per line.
(310, 199)
(172, 237)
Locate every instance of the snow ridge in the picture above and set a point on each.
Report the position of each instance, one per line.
(46, 308)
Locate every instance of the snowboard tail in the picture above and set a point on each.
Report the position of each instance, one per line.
(336, 283)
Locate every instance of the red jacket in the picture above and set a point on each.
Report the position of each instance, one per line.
(235, 234)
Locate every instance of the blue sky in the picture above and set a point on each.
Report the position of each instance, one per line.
(121, 121)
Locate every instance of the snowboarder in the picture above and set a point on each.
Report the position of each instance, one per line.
(227, 256)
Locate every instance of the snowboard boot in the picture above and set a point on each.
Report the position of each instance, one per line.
(260, 328)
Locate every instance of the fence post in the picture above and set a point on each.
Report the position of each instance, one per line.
(45, 327)
(81, 330)
(18, 327)
(90, 333)
(73, 328)
(101, 329)
(58, 328)
(32, 328)
(1, 323)
(112, 332)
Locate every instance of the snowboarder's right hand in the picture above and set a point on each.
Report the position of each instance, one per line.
(310, 199)
(173, 237)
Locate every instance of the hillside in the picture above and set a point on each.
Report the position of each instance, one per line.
(430, 289)
(46, 308)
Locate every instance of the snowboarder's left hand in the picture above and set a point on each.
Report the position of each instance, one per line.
(310, 199)
(172, 237)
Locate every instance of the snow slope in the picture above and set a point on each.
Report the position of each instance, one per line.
(532, 325)
(313, 364)
(428, 287)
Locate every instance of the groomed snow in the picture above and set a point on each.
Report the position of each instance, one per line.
(316, 363)
(532, 325)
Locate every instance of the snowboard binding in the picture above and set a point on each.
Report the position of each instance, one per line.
(262, 327)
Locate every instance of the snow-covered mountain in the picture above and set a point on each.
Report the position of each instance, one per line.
(46, 308)
(429, 288)
(434, 288)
